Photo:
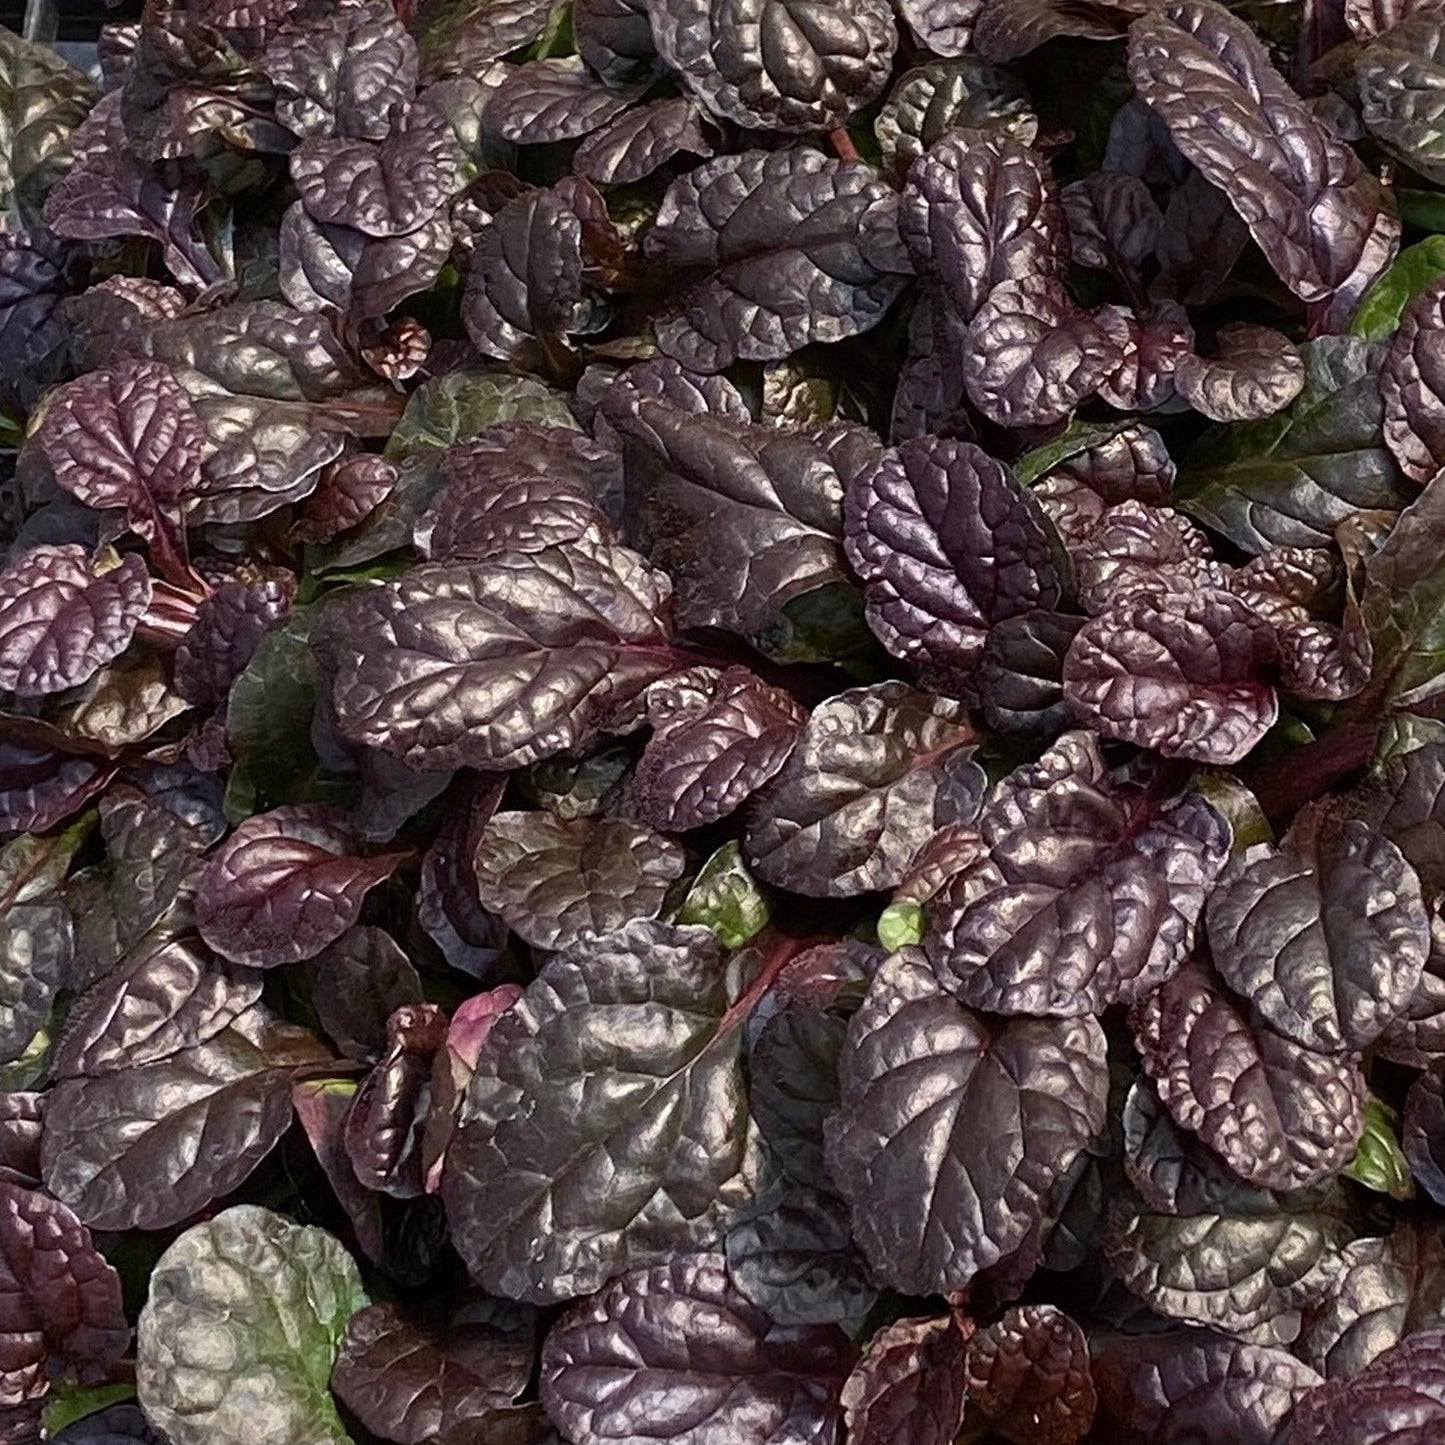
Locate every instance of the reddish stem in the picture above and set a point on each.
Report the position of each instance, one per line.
(1312, 771)
(784, 951)
(843, 145)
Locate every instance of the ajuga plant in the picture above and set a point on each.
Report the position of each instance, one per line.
(722, 722)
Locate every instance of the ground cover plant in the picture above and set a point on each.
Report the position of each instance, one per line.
(723, 722)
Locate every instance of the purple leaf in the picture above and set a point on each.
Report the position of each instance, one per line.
(382, 189)
(770, 226)
(909, 1385)
(32, 291)
(1028, 1376)
(228, 627)
(383, 1128)
(614, 1367)
(60, 1304)
(641, 141)
(651, 1045)
(1326, 936)
(1088, 893)
(1324, 223)
(1254, 372)
(754, 514)
(1280, 1116)
(1152, 346)
(1020, 676)
(947, 545)
(980, 210)
(342, 73)
(349, 490)
(357, 984)
(1177, 672)
(530, 652)
(779, 65)
(554, 100)
(63, 617)
(1401, 76)
(943, 26)
(1400, 1396)
(557, 883)
(1008, 29)
(715, 741)
(460, 37)
(40, 788)
(284, 885)
(953, 1126)
(1132, 548)
(1412, 382)
(875, 773)
(412, 1381)
(1186, 1385)
(1031, 356)
(145, 1148)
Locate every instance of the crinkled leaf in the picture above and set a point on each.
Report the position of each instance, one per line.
(945, 95)
(1324, 223)
(875, 772)
(909, 1384)
(148, 1147)
(953, 1126)
(614, 1369)
(1232, 1272)
(40, 788)
(459, 37)
(1178, 672)
(245, 1315)
(1326, 936)
(357, 983)
(554, 100)
(284, 885)
(1400, 1397)
(1387, 1289)
(343, 72)
(348, 492)
(1031, 356)
(496, 663)
(1084, 891)
(127, 439)
(42, 100)
(1136, 548)
(979, 210)
(555, 883)
(1028, 1375)
(383, 189)
(32, 290)
(63, 617)
(60, 1302)
(1412, 383)
(411, 1380)
(229, 626)
(171, 998)
(1186, 1385)
(779, 65)
(1008, 29)
(641, 141)
(794, 1259)
(1401, 75)
(770, 227)
(548, 1198)
(1253, 373)
(753, 514)
(793, 1087)
(614, 37)
(1020, 674)
(715, 741)
(947, 545)
(1280, 1116)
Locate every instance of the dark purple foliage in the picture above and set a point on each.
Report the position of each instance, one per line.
(721, 724)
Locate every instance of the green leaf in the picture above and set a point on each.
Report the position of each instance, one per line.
(1080, 437)
(69, 1403)
(1403, 603)
(1425, 210)
(235, 1344)
(727, 899)
(42, 99)
(1290, 479)
(899, 925)
(1379, 1163)
(460, 404)
(31, 867)
(268, 725)
(826, 625)
(1414, 269)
